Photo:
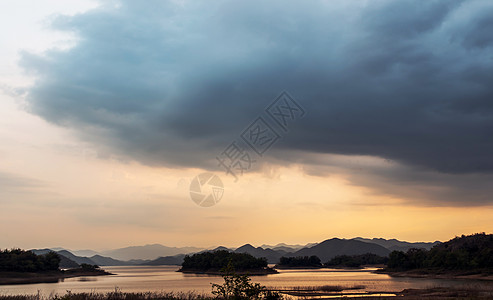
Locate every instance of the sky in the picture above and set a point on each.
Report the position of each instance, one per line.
(109, 109)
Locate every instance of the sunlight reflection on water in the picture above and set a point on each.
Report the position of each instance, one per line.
(165, 278)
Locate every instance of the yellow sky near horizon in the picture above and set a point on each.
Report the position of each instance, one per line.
(59, 191)
(66, 195)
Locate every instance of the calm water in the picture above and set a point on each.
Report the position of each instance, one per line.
(165, 278)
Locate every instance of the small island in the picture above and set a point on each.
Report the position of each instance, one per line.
(214, 263)
(22, 267)
(338, 262)
(299, 262)
(356, 261)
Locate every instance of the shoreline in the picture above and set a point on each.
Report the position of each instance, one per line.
(360, 268)
(430, 274)
(253, 272)
(281, 267)
(8, 278)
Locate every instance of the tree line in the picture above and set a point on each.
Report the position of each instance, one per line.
(356, 261)
(461, 253)
(300, 261)
(350, 261)
(218, 259)
(17, 260)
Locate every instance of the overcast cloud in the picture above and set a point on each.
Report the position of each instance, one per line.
(173, 82)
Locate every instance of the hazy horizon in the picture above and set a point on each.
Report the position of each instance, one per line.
(115, 116)
(218, 245)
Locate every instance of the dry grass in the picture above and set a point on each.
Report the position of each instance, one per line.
(317, 291)
(116, 295)
(463, 291)
(324, 288)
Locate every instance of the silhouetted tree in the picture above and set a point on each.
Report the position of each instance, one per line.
(300, 261)
(240, 287)
(461, 253)
(356, 261)
(17, 260)
(219, 259)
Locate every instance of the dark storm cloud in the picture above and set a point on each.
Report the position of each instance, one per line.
(171, 83)
(415, 185)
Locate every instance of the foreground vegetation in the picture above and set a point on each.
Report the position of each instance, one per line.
(462, 292)
(238, 286)
(116, 295)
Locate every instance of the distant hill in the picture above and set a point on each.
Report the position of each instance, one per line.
(469, 243)
(86, 252)
(396, 245)
(56, 249)
(325, 250)
(465, 253)
(284, 249)
(108, 261)
(287, 248)
(216, 249)
(272, 256)
(77, 259)
(69, 260)
(148, 252)
(65, 263)
(334, 247)
(168, 260)
(134, 262)
(158, 254)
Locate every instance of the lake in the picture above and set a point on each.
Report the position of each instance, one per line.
(165, 278)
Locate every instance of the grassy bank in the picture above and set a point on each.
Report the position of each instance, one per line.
(440, 274)
(462, 292)
(116, 295)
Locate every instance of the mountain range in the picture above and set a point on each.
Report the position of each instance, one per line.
(157, 254)
(396, 245)
(148, 252)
